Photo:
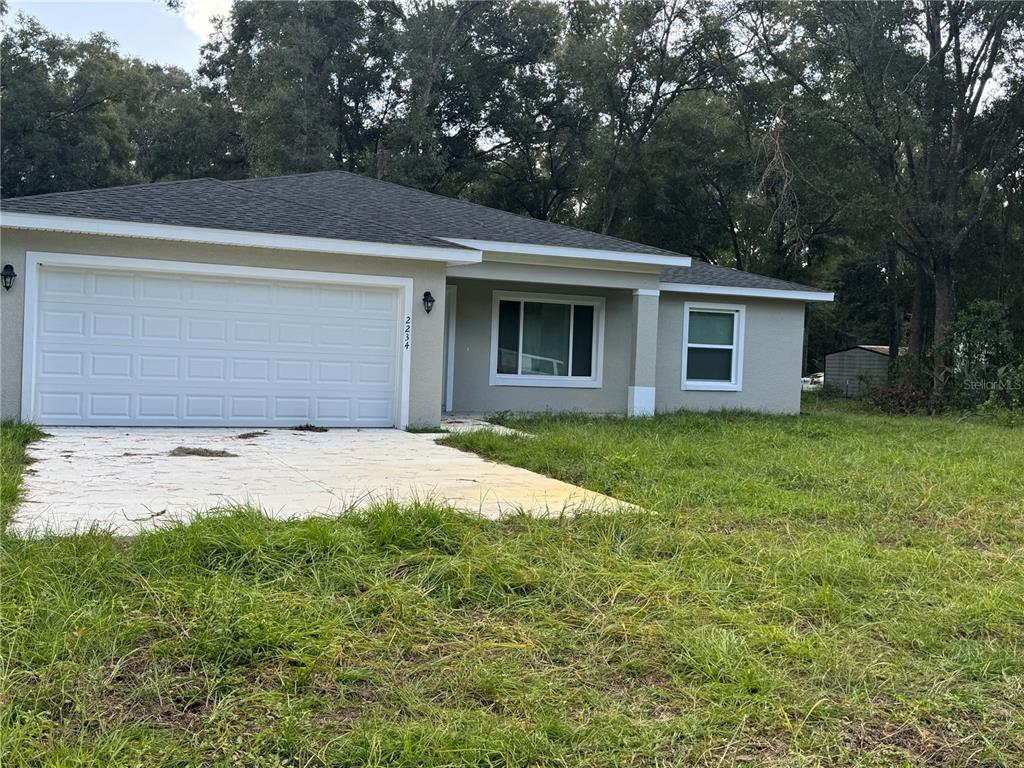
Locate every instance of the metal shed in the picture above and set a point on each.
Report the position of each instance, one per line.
(855, 371)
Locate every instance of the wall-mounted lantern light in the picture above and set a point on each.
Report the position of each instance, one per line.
(8, 274)
(428, 299)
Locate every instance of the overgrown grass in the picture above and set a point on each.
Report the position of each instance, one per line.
(14, 438)
(837, 589)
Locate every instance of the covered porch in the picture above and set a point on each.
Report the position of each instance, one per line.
(531, 338)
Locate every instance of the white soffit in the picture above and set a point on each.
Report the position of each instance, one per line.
(750, 293)
(626, 258)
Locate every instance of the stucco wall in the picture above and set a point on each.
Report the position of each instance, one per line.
(772, 355)
(427, 332)
(473, 392)
(773, 351)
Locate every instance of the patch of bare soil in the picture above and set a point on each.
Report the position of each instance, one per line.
(212, 453)
(929, 745)
(309, 428)
(251, 435)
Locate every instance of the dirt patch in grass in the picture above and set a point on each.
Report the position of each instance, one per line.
(309, 428)
(251, 435)
(931, 744)
(211, 453)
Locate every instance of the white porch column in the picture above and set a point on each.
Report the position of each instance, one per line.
(644, 353)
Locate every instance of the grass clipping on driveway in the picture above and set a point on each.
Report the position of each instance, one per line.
(830, 590)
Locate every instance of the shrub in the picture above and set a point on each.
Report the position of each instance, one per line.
(903, 398)
(980, 346)
(1005, 402)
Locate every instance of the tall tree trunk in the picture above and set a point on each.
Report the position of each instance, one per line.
(918, 308)
(944, 312)
(893, 299)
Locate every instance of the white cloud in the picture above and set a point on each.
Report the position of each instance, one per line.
(198, 15)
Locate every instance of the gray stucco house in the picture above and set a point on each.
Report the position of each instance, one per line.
(346, 301)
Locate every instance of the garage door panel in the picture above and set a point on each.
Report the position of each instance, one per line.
(56, 322)
(158, 328)
(199, 330)
(157, 367)
(117, 365)
(247, 408)
(59, 405)
(64, 283)
(212, 351)
(158, 289)
(113, 285)
(111, 325)
(116, 405)
(298, 334)
(206, 369)
(157, 407)
(250, 370)
(61, 363)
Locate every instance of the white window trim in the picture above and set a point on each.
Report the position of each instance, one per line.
(576, 382)
(736, 383)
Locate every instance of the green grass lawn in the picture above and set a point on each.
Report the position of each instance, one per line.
(836, 589)
(13, 440)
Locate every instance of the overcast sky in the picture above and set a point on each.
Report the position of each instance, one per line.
(142, 28)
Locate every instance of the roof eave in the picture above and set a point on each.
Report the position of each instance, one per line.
(749, 293)
(627, 258)
(244, 238)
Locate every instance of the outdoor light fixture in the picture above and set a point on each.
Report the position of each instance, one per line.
(8, 276)
(428, 299)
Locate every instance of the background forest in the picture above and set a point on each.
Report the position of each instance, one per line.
(871, 148)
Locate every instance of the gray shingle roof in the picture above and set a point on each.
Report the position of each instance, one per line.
(436, 215)
(215, 204)
(702, 273)
(345, 206)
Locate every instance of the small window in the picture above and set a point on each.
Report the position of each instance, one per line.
(546, 341)
(712, 347)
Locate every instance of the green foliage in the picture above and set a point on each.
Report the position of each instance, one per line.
(14, 438)
(65, 116)
(836, 589)
(824, 143)
(77, 114)
(980, 345)
(1005, 403)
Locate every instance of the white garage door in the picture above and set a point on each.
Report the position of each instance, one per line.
(155, 348)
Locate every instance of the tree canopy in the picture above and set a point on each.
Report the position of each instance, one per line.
(873, 148)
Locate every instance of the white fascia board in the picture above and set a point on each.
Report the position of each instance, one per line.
(111, 227)
(750, 293)
(591, 254)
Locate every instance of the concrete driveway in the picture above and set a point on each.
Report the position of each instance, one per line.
(130, 479)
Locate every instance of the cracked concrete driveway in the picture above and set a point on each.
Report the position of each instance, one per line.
(125, 480)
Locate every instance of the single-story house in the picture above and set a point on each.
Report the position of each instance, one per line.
(343, 300)
(855, 371)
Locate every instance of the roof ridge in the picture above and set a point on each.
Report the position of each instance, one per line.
(459, 200)
(233, 183)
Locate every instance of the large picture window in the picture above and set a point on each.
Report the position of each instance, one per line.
(713, 347)
(544, 340)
